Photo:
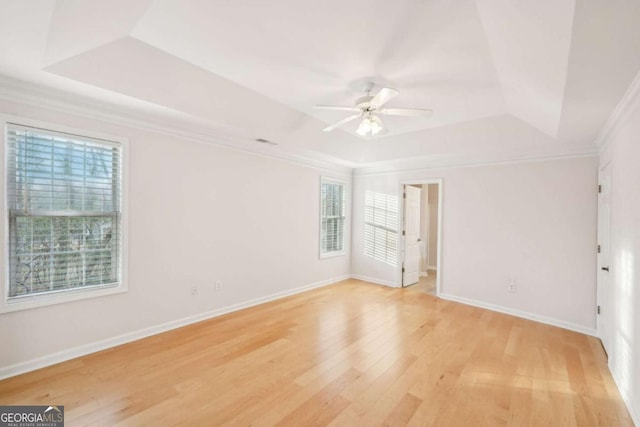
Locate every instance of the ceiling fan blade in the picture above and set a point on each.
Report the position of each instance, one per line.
(383, 97)
(413, 112)
(335, 107)
(341, 122)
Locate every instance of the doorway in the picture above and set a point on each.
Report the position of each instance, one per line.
(420, 244)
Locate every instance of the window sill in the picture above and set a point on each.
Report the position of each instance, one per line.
(332, 254)
(43, 300)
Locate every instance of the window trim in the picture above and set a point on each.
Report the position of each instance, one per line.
(67, 295)
(332, 254)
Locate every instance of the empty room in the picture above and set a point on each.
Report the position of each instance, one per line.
(314, 213)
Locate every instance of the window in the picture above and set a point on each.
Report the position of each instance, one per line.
(332, 217)
(64, 213)
(381, 227)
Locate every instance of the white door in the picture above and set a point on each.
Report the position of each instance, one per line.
(411, 265)
(604, 214)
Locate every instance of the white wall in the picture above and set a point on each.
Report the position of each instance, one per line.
(198, 213)
(534, 223)
(623, 311)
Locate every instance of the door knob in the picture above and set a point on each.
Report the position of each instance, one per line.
(605, 268)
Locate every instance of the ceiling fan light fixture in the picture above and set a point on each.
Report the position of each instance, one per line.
(365, 128)
(370, 126)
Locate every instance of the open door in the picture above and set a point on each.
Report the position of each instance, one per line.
(411, 264)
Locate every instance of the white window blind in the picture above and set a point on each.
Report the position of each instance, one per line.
(381, 227)
(63, 201)
(332, 216)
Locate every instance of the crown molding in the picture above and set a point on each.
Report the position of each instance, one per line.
(629, 103)
(190, 129)
(488, 158)
(25, 93)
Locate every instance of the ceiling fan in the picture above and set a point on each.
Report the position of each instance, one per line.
(369, 108)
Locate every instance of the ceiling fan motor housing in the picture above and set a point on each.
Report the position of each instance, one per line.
(364, 103)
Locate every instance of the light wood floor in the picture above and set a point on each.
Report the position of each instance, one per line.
(427, 284)
(351, 354)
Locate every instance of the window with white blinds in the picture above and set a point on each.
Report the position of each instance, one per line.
(332, 217)
(64, 211)
(381, 227)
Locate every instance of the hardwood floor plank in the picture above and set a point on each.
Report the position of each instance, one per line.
(347, 354)
(323, 406)
(403, 411)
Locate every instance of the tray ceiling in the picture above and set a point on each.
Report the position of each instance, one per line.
(499, 74)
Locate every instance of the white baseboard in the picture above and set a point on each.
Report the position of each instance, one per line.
(432, 267)
(424, 274)
(625, 396)
(525, 315)
(83, 350)
(374, 280)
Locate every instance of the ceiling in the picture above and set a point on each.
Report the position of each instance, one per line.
(502, 76)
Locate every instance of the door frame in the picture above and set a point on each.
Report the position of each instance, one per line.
(401, 185)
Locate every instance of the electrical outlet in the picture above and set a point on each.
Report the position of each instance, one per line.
(194, 290)
(511, 287)
(218, 285)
